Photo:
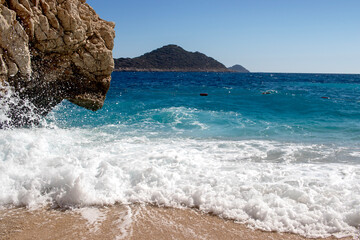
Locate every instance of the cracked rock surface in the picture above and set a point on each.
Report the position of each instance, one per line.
(51, 50)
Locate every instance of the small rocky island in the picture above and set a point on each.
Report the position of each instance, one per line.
(170, 58)
(238, 68)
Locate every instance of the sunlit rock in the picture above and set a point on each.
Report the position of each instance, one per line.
(51, 50)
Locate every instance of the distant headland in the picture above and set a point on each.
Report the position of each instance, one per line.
(172, 58)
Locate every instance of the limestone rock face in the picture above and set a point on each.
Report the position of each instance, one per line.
(52, 50)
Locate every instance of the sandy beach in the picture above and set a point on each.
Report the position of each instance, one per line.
(125, 222)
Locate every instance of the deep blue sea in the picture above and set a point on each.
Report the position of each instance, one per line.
(280, 152)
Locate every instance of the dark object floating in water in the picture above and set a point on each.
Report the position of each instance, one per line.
(266, 93)
(325, 97)
(203, 94)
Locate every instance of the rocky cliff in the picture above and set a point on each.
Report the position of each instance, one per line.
(52, 50)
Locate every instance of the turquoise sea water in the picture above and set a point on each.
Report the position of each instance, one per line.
(169, 104)
(287, 160)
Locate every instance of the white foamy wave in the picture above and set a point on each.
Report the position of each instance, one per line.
(269, 185)
(176, 117)
(15, 111)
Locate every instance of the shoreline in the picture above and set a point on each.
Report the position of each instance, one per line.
(127, 222)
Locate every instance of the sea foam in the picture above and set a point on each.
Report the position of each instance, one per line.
(268, 184)
(16, 111)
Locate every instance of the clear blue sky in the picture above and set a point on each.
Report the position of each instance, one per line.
(262, 35)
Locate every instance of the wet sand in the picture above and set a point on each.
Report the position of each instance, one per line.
(125, 222)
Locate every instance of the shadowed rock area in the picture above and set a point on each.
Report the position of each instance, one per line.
(51, 50)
